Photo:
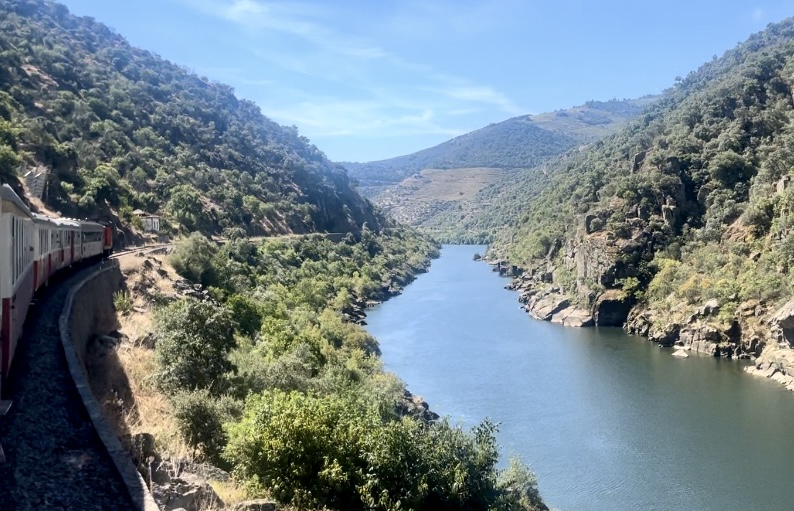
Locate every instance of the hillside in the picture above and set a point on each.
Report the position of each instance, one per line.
(114, 128)
(680, 225)
(519, 142)
(242, 366)
(415, 189)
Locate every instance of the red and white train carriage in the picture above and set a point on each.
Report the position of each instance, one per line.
(17, 233)
(33, 248)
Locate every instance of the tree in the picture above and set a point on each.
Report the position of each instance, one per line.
(194, 339)
(192, 258)
(185, 205)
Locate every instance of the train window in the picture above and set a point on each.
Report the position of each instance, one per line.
(90, 237)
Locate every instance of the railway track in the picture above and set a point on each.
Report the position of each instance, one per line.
(145, 249)
(54, 457)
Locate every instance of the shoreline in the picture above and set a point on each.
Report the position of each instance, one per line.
(759, 332)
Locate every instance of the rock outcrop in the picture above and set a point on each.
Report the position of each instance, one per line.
(611, 308)
(255, 505)
(182, 485)
(416, 407)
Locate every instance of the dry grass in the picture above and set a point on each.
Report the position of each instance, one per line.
(151, 411)
(147, 409)
(230, 492)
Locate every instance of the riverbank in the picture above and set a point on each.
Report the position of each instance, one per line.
(599, 414)
(290, 362)
(754, 330)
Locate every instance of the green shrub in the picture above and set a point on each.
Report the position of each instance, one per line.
(194, 341)
(201, 416)
(337, 452)
(122, 302)
(192, 259)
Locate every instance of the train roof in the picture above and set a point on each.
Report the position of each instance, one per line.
(66, 222)
(91, 226)
(7, 193)
(38, 217)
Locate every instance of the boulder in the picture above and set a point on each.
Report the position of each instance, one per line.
(544, 308)
(680, 354)
(573, 316)
(666, 336)
(703, 338)
(579, 318)
(142, 448)
(255, 505)
(710, 308)
(670, 215)
(781, 324)
(639, 322)
(190, 495)
(416, 407)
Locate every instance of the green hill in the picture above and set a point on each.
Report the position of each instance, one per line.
(520, 142)
(267, 375)
(119, 128)
(691, 202)
(418, 190)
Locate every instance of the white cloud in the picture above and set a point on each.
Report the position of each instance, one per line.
(425, 20)
(758, 14)
(478, 94)
(330, 117)
(331, 83)
(294, 19)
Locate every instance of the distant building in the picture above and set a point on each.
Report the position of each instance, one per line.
(151, 223)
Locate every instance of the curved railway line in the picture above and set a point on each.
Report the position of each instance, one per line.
(54, 457)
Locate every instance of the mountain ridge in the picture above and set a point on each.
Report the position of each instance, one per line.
(442, 189)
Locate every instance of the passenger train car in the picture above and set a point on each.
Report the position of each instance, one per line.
(33, 248)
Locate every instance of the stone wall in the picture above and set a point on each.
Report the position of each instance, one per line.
(89, 312)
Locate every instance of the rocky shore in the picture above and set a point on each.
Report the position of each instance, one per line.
(542, 299)
(754, 331)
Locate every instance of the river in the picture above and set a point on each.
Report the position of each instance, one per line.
(607, 421)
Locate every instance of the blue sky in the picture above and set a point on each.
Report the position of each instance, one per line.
(368, 80)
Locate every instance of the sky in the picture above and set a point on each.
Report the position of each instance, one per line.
(373, 79)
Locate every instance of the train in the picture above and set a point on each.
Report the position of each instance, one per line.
(34, 248)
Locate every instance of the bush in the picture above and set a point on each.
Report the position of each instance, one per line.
(192, 259)
(194, 341)
(246, 313)
(122, 302)
(303, 449)
(337, 452)
(201, 417)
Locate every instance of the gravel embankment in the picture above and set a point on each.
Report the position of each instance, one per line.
(55, 459)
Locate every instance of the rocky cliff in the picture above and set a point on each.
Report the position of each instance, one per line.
(681, 226)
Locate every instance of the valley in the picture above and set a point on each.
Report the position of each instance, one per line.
(274, 357)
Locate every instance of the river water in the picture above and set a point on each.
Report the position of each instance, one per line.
(607, 421)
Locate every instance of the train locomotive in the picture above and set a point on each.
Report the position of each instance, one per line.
(33, 248)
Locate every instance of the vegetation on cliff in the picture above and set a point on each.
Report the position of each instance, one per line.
(691, 201)
(120, 129)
